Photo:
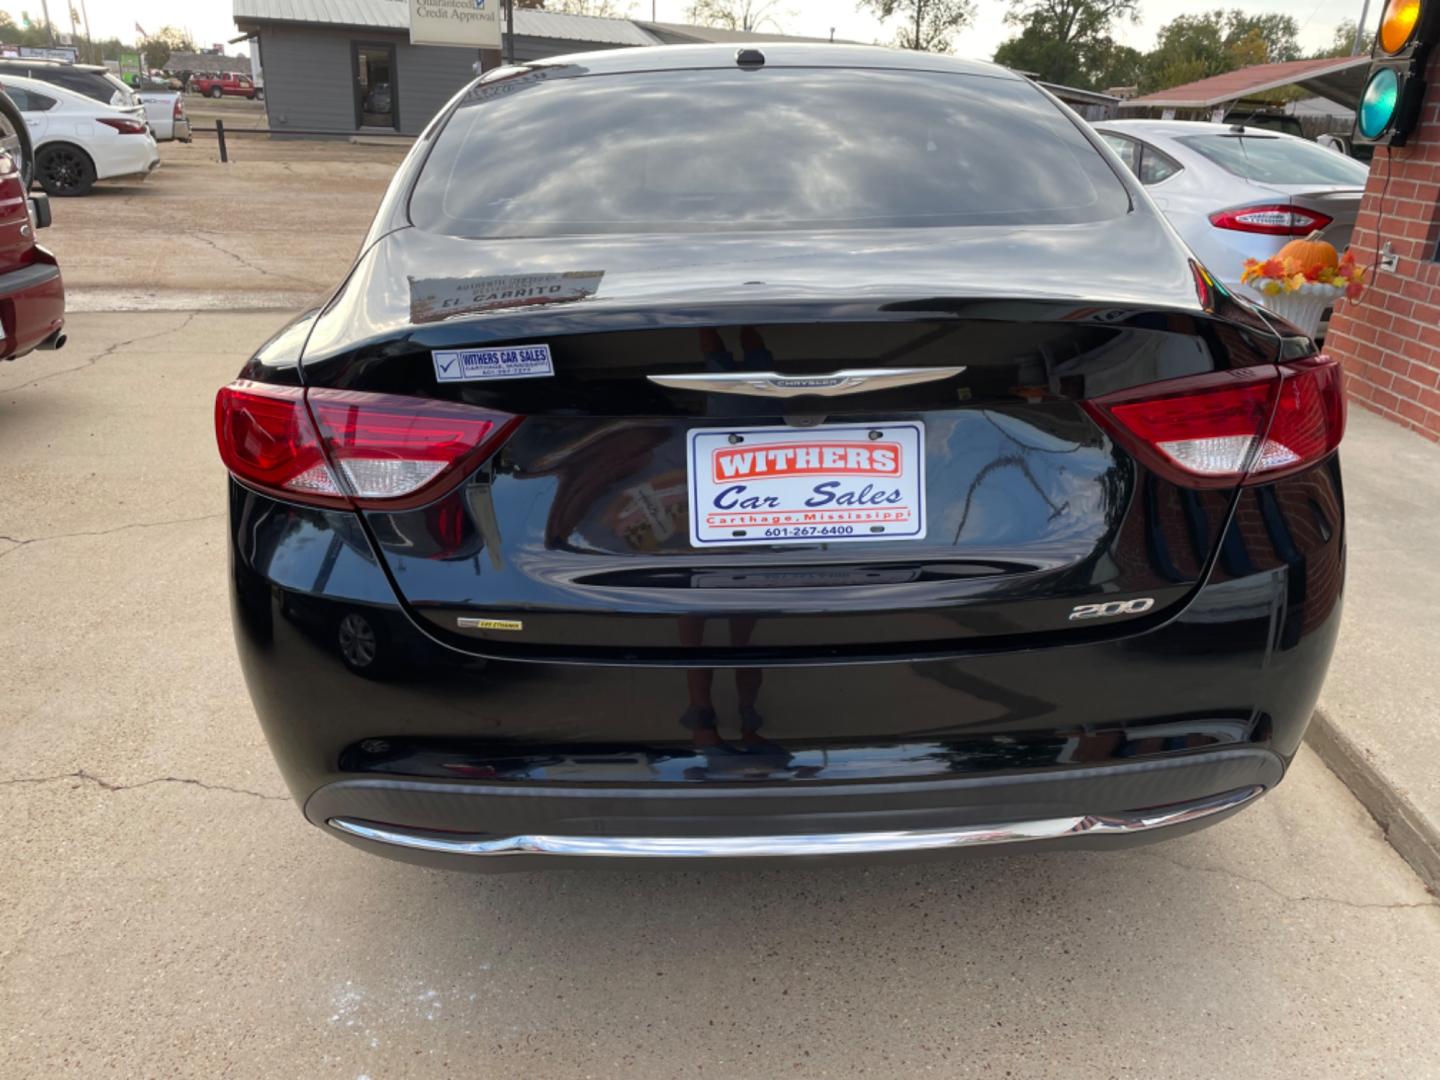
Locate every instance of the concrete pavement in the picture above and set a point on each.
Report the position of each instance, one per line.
(164, 910)
(1378, 725)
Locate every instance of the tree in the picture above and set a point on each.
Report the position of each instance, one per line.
(925, 25)
(167, 40)
(735, 14)
(1343, 44)
(1277, 36)
(1071, 20)
(601, 9)
(1192, 47)
(1068, 41)
(1115, 65)
(30, 31)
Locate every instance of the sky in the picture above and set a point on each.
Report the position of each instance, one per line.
(209, 21)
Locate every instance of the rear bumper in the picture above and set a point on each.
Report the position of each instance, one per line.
(443, 758)
(32, 306)
(465, 826)
(130, 156)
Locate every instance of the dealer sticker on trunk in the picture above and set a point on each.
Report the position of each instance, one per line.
(826, 484)
(471, 365)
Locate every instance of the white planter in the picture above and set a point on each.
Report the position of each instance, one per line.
(1305, 306)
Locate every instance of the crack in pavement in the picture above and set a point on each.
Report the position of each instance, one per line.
(204, 239)
(1286, 897)
(109, 785)
(109, 350)
(19, 542)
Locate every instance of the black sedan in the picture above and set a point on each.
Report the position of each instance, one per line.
(786, 452)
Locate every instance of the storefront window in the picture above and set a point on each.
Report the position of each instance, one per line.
(375, 104)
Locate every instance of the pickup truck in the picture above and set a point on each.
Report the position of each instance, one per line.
(165, 113)
(229, 84)
(32, 294)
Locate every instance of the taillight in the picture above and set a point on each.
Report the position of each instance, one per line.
(347, 448)
(1219, 430)
(1281, 219)
(179, 113)
(1309, 419)
(124, 127)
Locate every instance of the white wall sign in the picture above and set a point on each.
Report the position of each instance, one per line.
(474, 23)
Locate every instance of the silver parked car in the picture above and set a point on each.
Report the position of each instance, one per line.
(1236, 193)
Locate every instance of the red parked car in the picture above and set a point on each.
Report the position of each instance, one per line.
(229, 84)
(32, 295)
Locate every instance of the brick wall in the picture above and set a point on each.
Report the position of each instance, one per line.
(1389, 340)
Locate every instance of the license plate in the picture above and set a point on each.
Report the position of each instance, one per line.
(827, 484)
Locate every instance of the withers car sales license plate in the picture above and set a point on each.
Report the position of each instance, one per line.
(807, 485)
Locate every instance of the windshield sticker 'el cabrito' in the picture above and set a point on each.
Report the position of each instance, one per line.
(434, 299)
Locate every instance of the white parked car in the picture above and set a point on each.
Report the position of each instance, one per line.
(165, 111)
(79, 140)
(1235, 193)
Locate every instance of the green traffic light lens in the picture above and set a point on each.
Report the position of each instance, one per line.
(1377, 107)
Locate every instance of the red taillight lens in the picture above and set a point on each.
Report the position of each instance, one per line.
(1281, 219)
(266, 439)
(179, 113)
(125, 127)
(391, 448)
(1309, 417)
(349, 448)
(1219, 430)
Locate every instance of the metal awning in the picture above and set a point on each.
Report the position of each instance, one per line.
(1341, 81)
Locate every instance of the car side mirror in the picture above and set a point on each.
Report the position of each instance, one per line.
(40, 210)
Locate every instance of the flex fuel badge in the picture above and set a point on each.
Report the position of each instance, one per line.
(475, 365)
(489, 624)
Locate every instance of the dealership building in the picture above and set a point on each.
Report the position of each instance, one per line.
(348, 65)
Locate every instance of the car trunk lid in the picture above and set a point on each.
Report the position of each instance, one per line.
(579, 538)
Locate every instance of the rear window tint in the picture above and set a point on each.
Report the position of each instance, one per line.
(780, 148)
(1274, 160)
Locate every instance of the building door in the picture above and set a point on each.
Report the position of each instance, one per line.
(377, 101)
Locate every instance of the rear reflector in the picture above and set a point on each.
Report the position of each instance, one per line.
(1218, 430)
(350, 448)
(1278, 220)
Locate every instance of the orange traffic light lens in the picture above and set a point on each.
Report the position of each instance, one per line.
(1398, 23)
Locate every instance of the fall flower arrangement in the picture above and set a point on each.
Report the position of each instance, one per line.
(1299, 263)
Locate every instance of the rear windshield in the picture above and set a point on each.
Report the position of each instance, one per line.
(780, 148)
(1272, 160)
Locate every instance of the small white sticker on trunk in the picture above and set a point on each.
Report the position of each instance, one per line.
(473, 365)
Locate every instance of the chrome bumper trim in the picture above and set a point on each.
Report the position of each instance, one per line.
(855, 843)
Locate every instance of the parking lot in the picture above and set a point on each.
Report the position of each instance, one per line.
(165, 910)
(213, 236)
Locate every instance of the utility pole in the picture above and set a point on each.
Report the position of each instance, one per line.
(49, 26)
(90, 41)
(509, 31)
(1360, 29)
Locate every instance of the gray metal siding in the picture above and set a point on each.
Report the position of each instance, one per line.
(429, 75)
(309, 81)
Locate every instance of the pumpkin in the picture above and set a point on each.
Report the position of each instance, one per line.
(1309, 254)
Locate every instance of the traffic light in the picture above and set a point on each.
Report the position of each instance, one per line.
(1395, 87)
